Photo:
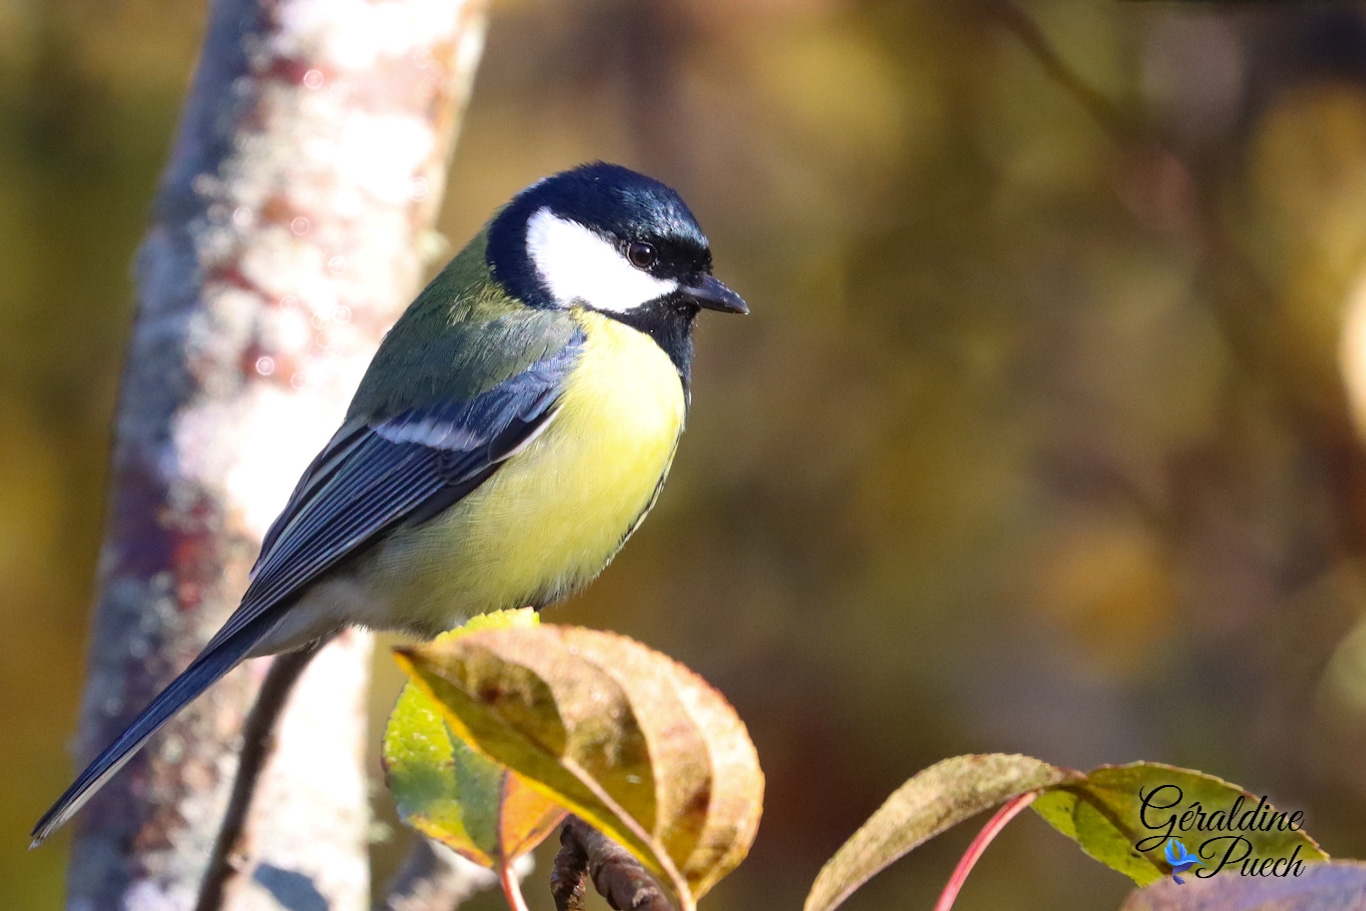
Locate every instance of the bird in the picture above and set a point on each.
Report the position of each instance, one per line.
(513, 429)
(1180, 859)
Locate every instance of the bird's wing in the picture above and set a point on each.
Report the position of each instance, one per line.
(377, 474)
(481, 375)
(372, 476)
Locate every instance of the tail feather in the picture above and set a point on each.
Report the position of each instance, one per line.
(202, 673)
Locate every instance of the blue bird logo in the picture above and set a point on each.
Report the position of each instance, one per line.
(1180, 859)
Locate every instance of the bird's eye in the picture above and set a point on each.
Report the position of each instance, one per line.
(641, 254)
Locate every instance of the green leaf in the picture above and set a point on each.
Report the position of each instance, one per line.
(1105, 815)
(1324, 886)
(936, 799)
(447, 791)
(633, 742)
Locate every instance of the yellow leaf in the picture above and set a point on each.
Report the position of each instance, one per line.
(450, 793)
(1104, 814)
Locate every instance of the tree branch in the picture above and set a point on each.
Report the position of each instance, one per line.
(307, 168)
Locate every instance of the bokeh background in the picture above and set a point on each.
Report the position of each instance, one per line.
(1042, 435)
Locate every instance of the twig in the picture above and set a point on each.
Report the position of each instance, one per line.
(1112, 118)
(567, 880)
(258, 742)
(979, 844)
(434, 878)
(616, 875)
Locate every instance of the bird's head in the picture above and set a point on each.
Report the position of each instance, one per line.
(604, 237)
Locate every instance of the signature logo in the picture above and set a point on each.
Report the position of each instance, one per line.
(1180, 859)
(1226, 838)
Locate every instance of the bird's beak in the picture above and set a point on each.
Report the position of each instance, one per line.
(712, 295)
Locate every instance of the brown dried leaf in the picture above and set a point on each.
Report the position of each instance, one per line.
(936, 799)
(625, 737)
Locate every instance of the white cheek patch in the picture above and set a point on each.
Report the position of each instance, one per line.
(576, 264)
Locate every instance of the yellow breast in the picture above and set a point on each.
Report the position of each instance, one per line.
(553, 515)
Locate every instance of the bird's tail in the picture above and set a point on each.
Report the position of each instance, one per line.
(208, 667)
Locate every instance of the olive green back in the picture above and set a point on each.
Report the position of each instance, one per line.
(463, 335)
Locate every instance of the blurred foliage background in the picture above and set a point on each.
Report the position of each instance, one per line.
(1042, 435)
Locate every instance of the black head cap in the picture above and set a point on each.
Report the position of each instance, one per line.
(620, 205)
(606, 238)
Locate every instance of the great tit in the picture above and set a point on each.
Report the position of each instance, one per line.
(514, 428)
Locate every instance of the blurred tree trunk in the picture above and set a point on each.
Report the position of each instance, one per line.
(285, 239)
